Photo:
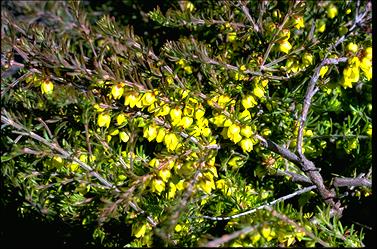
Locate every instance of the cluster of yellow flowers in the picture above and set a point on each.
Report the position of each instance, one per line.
(351, 72)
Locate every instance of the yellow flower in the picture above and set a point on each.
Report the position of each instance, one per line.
(175, 115)
(332, 11)
(223, 100)
(121, 118)
(265, 132)
(244, 116)
(148, 98)
(243, 68)
(158, 185)
(299, 22)
(246, 131)
(308, 133)
(189, 6)
(160, 135)
(207, 184)
(352, 47)
(266, 230)
(47, 87)
(368, 52)
(286, 33)
(248, 102)
(140, 232)
(255, 238)
(98, 108)
(186, 122)
(323, 71)
(164, 174)
(307, 59)
(188, 69)
(199, 113)
(247, 145)
(321, 26)
(165, 110)
(114, 132)
(117, 90)
(235, 162)
(150, 132)
(366, 67)
(171, 141)
(131, 99)
(232, 36)
(218, 120)
(258, 92)
(234, 133)
(172, 190)
(285, 46)
(124, 136)
(103, 120)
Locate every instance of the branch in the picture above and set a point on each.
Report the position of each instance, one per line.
(299, 192)
(348, 182)
(228, 237)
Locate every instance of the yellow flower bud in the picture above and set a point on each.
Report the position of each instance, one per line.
(124, 136)
(117, 90)
(172, 190)
(321, 27)
(47, 87)
(368, 52)
(103, 120)
(352, 47)
(285, 46)
(243, 68)
(307, 59)
(232, 36)
(323, 71)
(332, 11)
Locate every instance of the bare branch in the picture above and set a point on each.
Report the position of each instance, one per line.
(228, 237)
(286, 197)
(348, 182)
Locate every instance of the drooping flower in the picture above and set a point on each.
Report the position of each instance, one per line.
(47, 87)
(103, 120)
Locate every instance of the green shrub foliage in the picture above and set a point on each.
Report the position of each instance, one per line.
(261, 107)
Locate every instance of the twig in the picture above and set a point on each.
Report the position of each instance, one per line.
(299, 192)
(228, 237)
(249, 17)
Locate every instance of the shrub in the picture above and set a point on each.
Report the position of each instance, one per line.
(245, 131)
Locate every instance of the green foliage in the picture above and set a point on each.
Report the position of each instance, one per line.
(102, 126)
